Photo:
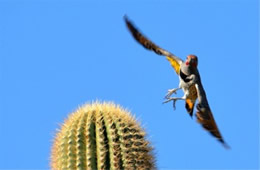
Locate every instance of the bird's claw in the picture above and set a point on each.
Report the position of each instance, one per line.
(171, 99)
(170, 92)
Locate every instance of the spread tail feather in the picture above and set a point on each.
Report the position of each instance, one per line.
(189, 105)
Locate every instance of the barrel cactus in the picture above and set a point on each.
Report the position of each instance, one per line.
(101, 136)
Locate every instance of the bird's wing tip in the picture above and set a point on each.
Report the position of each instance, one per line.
(226, 146)
(125, 17)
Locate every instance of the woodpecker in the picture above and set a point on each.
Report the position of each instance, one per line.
(190, 83)
(184, 69)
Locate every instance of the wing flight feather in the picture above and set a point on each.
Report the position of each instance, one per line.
(205, 116)
(146, 43)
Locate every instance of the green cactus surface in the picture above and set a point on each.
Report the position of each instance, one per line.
(101, 136)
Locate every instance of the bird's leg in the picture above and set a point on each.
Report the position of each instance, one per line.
(171, 91)
(174, 99)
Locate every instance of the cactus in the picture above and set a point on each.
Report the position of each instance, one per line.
(101, 136)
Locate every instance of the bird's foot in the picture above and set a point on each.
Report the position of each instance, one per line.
(171, 99)
(170, 92)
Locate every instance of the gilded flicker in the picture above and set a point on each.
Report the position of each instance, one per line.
(183, 69)
(190, 83)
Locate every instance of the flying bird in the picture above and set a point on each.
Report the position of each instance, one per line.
(190, 83)
(184, 69)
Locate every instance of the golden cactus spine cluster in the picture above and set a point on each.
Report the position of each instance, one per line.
(101, 136)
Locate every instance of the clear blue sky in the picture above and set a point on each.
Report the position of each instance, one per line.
(58, 55)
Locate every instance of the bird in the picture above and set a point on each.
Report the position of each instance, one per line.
(183, 69)
(190, 83)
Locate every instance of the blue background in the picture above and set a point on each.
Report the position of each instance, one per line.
(57, 55)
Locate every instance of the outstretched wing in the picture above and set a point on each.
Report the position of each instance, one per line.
(205, 116)
(174, 60)
(206, 119)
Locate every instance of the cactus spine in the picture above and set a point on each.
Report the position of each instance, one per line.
(101, 136)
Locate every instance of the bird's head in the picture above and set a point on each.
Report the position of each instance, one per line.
(192, 60)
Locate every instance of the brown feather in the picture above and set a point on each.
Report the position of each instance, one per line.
(189, 105)
(191, 99)
(146, 43)
(206, 119)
